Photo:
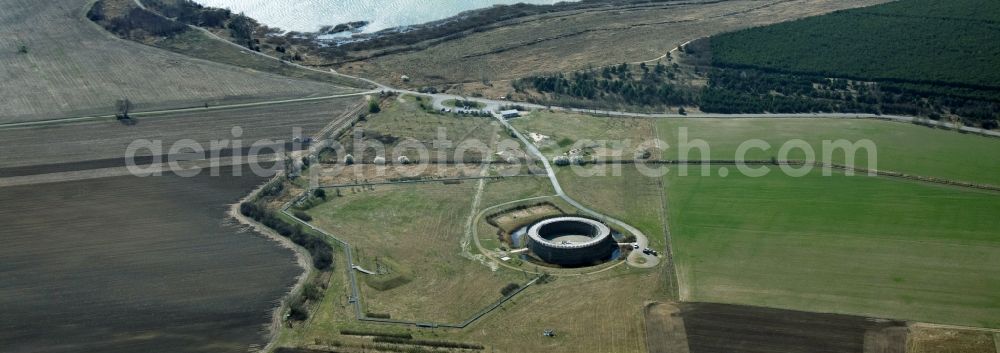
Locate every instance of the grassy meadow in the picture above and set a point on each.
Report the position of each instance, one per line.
(404, 120)
(853, 245)
(415, 231)
(513, 189)
(564, 130)
(903, 148)
(595, 313)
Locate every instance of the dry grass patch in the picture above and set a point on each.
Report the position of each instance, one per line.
(414, 232)
(596, 313)
(406, 122)
(940, 340)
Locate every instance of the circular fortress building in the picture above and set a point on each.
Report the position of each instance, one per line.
(571, 241)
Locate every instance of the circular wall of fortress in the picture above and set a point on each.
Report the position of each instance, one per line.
(571, 241)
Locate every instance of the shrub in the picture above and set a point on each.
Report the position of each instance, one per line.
(190, 12)
(509, 289)
(297, 312)
(273, 189)
(96, 12)
(321, 251)
(303, 216)
(373, 107)
(312, 292)
(138, 23)
(320, 193)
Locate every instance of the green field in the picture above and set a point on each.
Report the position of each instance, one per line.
(414, 231)
(918, 41)
(901, 147)
(856, 245)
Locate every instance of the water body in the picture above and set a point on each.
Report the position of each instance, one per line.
(310, 15)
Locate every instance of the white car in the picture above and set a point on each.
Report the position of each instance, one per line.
(635, 246)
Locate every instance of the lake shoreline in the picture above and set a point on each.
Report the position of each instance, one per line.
(380, 15)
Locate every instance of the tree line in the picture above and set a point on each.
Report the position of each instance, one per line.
(136, 23)
(320, 250)
(629, 84)
(755, 91)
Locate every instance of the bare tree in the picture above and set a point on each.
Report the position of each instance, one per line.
(123, 107)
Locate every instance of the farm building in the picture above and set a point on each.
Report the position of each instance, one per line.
(510, 114)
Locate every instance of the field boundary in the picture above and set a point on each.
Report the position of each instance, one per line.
(671, 266)
(873, 172)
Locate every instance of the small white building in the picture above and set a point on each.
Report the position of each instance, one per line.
(510, 114)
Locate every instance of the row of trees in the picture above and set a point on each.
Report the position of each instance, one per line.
(754, 91)
(321, 251)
